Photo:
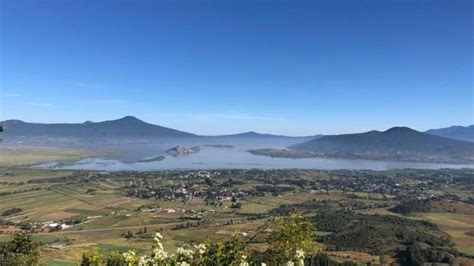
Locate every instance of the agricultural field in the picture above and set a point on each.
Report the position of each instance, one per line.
(71, 212)
(20, 156)
(459, 226)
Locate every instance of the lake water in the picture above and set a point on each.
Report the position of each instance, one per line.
(128, 156)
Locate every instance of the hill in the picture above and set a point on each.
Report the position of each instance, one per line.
(256, 135)
(398, 143)
(395, 144)
(128, 126)
(455, 132)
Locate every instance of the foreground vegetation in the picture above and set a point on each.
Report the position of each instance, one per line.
(357, 216)
(291, 242)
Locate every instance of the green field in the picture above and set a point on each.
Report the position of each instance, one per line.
(20, 156)
(112, 211)
(458, 226)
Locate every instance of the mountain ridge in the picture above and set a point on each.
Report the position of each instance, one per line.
(394, 144)
(22, 128)
(401, 143)
(127, 126)
(256, 135)
(465, 133)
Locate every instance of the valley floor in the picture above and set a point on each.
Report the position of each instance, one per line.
(70, 212)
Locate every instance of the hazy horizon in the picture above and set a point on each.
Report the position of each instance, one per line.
(229, 133)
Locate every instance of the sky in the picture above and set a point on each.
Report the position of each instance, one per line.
(217, 67)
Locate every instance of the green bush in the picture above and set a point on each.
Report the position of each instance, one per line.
(20, 251)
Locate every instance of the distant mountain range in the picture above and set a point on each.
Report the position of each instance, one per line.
(128, 126)
(455, 132)
(398, 143)
(255, 135)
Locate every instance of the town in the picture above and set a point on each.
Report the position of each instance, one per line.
(127, 208)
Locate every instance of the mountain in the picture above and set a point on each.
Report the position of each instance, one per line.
(455, 132)
(398, 143)
(128, 126)
(255, 135)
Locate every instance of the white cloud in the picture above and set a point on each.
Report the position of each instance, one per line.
(11, 94)
(44, 104)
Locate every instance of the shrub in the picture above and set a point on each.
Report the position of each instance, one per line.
(92, 258)
(291, 238)
(21, 250)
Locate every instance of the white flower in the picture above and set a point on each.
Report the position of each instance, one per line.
(289, 263)
(201, 248)
(243, 261)
(184, 255)
(129, 256)
(157, 239)
(158, 235)
(183, 263)
(159, 255)
(159, 245)
(263, 264)
(184, 252)
(299, 254)
(144, 261)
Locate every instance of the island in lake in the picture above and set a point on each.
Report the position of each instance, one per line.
(181, 150)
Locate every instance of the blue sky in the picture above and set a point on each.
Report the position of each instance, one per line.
(214, 67)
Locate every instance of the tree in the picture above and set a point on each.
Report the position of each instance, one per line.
(129, 235)
(21, 250)
(414, 255)
(319, 259)
(290, 237)
(230, 252)
(236, 205)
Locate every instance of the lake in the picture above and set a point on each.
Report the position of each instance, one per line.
(128, 156)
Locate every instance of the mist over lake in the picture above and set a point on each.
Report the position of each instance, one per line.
(215, 153)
